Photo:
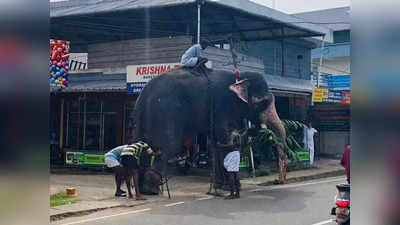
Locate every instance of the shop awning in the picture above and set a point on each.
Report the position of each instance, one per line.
(100, 82)
(94, 21)
(94, 82)
(287, 84)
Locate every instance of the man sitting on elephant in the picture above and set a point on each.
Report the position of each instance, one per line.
(194, 56)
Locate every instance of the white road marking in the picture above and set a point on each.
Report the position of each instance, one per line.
(205, 198)
(296, 185)
(105, 217)
(173, 204)
(258, 189)
(261, 197)
(324, 222)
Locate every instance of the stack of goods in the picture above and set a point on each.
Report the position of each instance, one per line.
(59, 64)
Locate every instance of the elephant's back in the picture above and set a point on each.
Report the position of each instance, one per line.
(171, 100)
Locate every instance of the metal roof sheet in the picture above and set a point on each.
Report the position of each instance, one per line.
(83, 21)
(80, 7)
(99, 82)
(335, 19)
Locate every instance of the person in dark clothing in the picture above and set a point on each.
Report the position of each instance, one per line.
(345, 162)
(232, 160)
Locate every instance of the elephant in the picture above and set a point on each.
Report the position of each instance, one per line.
(176, 106)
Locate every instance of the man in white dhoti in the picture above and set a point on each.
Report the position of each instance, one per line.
(232, 161)
(308, 140)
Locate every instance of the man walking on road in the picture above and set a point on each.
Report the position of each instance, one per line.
(308, 140)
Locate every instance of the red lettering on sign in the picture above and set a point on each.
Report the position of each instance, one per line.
(157, 70)
(138, 71)
(169, 67)
(144, 70)
(163, 69)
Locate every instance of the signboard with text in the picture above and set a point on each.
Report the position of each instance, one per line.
(139, 75)
(346, 97)
(84, 159)
(335, 82)
(319, 94)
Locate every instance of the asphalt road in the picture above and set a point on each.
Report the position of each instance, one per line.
(295, 204)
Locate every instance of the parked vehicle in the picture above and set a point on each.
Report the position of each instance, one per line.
(342, 201)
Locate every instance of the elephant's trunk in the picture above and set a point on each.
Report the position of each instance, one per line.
(270, 118)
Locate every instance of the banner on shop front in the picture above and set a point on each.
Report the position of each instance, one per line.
(346, 97)
(334, 96)
(330, 96)
(336, 82)
(137, 76)
(320, 94)
(84, 159)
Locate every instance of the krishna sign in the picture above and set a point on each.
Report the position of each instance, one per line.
(137, 76)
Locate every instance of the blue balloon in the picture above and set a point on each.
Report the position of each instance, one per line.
(57, 75)
(62, 71)
(52, 80)
(57, 68)
(67, 67)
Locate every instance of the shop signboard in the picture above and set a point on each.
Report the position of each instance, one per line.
(303, 155)
(84, 159)
(346, 97)
(332, 117)
(244, 162)
(139, 75)
(336, 82)
(334, 96)
(320, 94)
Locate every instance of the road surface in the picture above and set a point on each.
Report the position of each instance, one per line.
(306, 203)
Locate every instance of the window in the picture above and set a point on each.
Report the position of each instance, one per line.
(91, 124)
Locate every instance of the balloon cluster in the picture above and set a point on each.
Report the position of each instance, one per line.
(59, 64)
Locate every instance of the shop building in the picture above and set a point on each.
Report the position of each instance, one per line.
(94, 113)
(332, 62)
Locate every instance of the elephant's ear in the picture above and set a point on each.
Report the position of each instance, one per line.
(240, 89)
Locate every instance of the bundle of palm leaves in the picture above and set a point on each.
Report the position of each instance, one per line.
(263, 139)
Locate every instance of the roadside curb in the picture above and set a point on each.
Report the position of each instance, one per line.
(334, 173)
(65, 215)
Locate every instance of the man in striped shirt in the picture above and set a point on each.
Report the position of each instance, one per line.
(131, 157)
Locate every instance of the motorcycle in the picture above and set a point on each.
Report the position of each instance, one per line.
(342, 208)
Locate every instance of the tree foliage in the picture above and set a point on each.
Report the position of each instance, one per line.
(264, 140)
